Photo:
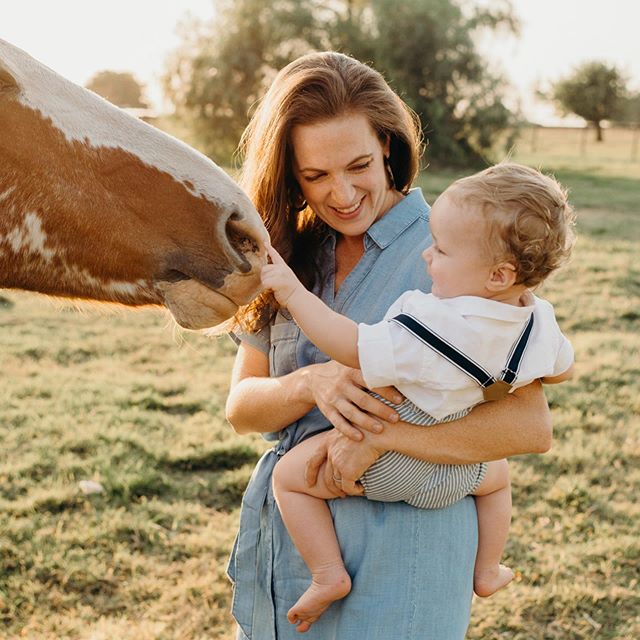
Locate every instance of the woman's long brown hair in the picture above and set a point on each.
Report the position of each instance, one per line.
(313, 88)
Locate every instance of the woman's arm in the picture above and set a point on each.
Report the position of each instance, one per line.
(519, 423)
(260, 404)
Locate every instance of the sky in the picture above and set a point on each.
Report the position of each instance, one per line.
(78, 38)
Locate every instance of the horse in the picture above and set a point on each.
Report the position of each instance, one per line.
(96, 204)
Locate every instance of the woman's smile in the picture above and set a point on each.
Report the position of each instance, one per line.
(348, 213)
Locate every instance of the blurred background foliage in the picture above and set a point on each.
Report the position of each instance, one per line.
(426, 50)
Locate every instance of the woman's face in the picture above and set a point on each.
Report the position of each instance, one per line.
(339, 165)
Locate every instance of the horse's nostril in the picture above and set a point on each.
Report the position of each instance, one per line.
(239, 234)
(239, 237)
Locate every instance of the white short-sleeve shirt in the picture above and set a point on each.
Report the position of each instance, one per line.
(484, 330)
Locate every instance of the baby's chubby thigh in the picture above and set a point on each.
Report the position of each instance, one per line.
(289, 472)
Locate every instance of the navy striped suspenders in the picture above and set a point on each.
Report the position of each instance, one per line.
(492, 389)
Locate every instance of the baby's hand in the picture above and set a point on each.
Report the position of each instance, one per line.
(279, 277)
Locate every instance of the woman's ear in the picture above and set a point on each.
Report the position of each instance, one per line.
(502, 277)
(386, 146)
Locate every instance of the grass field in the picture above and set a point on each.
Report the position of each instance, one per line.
(124, 399)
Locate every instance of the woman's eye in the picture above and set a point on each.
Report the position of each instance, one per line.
(313, 178)
(361, 167)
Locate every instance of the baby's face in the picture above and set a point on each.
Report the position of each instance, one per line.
(458, 260)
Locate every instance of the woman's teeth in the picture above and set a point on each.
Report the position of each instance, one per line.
(351, 209)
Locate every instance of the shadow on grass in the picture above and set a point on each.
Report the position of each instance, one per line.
(67, 357)
(153, 403)
(220, 459)
(215, 478)
(223, 474)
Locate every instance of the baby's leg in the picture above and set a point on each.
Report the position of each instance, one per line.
(308, 520)
(493, 504)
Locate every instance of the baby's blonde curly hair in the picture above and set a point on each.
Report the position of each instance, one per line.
(529, 219)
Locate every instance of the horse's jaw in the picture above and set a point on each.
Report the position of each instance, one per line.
(195, 305)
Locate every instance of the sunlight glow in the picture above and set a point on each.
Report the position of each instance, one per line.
(78, 38)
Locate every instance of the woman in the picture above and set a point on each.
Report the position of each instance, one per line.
(329, 158)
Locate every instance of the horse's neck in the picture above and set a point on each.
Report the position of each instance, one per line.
(27, 258)
(13, 238)
(47, 249)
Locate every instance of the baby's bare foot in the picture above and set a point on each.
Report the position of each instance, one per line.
(326, 587)
(489, 580)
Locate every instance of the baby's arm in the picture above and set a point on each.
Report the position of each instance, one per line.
(332, 333)
(566, 375)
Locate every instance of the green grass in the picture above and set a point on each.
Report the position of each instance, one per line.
(577, 150)
(604, 177)
(124, 399)
(574, 536)
(607, 208)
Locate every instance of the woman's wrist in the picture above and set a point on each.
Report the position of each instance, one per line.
(304, 385)
(380, 442)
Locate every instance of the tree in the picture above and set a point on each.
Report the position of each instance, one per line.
(222, 68)
(593, 92)
(122, 89)
(426, 50)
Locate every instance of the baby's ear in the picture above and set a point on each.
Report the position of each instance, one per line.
(502, 277)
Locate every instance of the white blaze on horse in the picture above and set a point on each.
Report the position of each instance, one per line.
(96, 204)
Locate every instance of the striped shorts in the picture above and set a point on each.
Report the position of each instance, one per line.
(395, 477)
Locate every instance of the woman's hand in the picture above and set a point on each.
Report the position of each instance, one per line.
(340, 394)
(342, 462)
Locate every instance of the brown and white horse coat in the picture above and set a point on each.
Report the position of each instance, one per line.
(96, 204)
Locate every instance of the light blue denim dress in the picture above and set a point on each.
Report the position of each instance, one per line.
(412, 569)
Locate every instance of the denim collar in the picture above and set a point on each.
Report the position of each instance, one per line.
(398, 219)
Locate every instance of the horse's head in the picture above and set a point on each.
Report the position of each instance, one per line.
(97, 204)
